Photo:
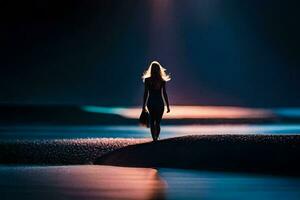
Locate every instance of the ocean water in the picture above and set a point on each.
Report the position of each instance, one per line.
(72, 132)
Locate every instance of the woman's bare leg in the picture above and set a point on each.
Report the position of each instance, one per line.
(153, 128)
(158, 120)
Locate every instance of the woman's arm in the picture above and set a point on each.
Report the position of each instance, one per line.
(166, 97)
(145, 95)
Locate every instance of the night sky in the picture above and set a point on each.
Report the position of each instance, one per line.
(219, 52)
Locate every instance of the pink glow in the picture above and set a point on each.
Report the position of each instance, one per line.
(101, 182)
(205, 112)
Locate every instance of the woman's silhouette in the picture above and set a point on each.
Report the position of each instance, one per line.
(155, 95)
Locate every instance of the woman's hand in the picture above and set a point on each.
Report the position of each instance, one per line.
(168, 109)
(144, 109)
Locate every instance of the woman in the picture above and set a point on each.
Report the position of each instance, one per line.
(155, 79)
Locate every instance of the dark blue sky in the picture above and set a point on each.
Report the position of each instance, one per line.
(219, 52)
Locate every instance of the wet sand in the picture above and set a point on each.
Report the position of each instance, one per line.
(108, 182)
(80, 182)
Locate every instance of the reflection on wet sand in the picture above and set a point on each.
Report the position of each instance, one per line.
(80, 182)
(106, 182)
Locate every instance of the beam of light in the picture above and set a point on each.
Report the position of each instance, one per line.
(190, 112)
(160, 10)
(166, 44)
(163, 41)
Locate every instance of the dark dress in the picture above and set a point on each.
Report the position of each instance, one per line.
(155, 101)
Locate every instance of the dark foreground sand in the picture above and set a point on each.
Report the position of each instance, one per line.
(59, 151)
(249, 153)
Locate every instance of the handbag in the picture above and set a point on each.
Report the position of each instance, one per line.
(144, 119)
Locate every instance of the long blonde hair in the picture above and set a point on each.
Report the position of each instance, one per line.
(154, 69)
